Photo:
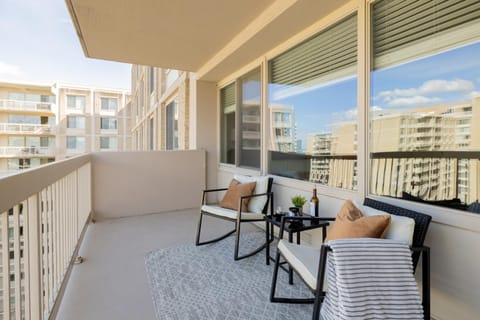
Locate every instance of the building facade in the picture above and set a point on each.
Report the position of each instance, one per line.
(91, 119)
(27, 126)
(43, 123)
(159, 109)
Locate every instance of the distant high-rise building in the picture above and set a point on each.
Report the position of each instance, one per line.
(438, 128)
(282, 135)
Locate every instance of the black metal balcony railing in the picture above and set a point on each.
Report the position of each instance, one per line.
(445, 178)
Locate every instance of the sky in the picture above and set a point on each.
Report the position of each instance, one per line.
(451, 76)
(39, 44)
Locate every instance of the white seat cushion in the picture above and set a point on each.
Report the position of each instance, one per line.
(401, 228)
(256, 204)
(304, 259)
(229, 213)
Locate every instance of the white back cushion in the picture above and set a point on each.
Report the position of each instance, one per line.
(401, 228)
(256, 204)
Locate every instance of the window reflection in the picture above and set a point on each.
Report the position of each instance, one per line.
(313, 108)
(424, 129)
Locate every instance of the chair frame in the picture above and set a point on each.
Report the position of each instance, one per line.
(237, 221)
(422, 222)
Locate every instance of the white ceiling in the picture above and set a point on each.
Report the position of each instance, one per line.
(215, 36)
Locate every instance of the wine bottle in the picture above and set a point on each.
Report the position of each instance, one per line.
(314, 203)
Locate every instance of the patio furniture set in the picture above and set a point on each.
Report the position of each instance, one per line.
(357, 268)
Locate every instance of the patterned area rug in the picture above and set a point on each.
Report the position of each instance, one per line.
(205, 283)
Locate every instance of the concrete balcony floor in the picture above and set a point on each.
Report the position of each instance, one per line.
(111, 283)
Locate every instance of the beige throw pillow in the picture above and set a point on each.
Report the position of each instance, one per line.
(235, 191)
(351, 223)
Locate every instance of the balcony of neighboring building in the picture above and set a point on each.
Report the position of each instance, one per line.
(20, 106)
(26, 152)
(26, 129)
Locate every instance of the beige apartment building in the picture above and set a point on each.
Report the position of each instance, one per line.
(27, 126)
(43, 123)
(159, 109)
(452, 127)
(442, 128)
(91, 119)
(282, 124)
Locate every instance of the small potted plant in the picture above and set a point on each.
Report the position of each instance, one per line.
(298, 201)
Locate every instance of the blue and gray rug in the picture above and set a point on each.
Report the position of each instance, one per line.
(205, 283)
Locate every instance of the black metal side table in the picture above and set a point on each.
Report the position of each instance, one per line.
(292, 225)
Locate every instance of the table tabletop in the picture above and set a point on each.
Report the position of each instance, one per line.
(297, 225)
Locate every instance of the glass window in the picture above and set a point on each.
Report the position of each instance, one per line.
(16, 141)
(31, 97)
(152, 79)
(313, 108)
(425, 102)
(46, 141)
(172, 125)
(227, 124)
(172, 75)
(108, 123)
(110, 104)
(18, 164)
(32, 141)
(250, 133)
(76, 102)
(74, 142)
(26, 119)
(152, 133)
(108, 143)
(75, 122)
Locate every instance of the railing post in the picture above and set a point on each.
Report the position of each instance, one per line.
(5, 265)
(34, 271)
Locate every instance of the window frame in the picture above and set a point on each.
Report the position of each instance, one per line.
(237, 83)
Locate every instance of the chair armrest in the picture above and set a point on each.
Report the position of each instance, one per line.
(211, 190)
(215, 190)
(268, 194)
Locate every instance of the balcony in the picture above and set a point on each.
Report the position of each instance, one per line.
(46, 214)
(27, 129)
(21, 152)
(16, 105)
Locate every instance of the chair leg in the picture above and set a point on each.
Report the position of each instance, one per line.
(267, 240)
(199, 228)
(426, 282)
(319, 294)
(274, 285)
(274, 278)
(236, 256)
(237, 239)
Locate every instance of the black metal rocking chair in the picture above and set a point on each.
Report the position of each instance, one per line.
(422, 222)
(236, 216)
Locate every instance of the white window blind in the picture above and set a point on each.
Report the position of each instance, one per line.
(331, 54)
(409, 29)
